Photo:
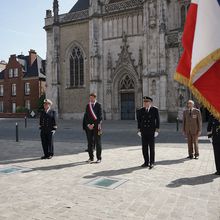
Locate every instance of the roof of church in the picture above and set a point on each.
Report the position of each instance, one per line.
(114, 1)
(80, 5)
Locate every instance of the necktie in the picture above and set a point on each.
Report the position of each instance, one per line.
(190, 112)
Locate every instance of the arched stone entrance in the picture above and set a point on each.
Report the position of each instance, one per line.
(126, 95)
(127, 98)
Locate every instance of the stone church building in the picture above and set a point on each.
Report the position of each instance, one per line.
(120, 49)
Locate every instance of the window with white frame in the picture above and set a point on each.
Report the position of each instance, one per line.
(13, 89)
(1, 106)
(1, 90)
(16, 72)
(13, 107)
(10, 73)
(27, 104)
(27, 88)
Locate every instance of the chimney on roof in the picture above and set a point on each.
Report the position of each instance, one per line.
(32, 56)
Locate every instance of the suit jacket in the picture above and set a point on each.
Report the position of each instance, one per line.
(213, 129)
(84, 122)
(192, 122)
(148, 122)
(48, 121)
(88, 119)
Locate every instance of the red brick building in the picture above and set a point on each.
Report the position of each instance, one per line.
(22, 83)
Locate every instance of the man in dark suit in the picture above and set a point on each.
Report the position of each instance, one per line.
(84, 125)
(93, 120)
(148, 125)
(48, 127)
(213, 130)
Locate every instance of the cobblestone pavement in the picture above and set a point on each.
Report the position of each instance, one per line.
(176, 188)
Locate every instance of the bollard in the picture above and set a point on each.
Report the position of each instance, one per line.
(25, 121)
(177, 124)
(17, 139)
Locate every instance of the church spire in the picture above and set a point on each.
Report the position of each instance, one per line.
(56, 11)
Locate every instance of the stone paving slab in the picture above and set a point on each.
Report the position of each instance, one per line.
(177, 188)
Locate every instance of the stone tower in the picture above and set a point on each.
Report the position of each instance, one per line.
(53, 57)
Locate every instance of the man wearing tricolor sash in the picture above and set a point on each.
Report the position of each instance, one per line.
(93, 120)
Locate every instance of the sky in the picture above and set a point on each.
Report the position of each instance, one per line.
(21, 25)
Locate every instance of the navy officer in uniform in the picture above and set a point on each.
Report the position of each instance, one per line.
(48, 127)
(213, 130)
(93, 120)
(148, 125)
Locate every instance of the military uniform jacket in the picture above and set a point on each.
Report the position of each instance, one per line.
(48, 121)
(88, 119)
(213, 129)
(192, 121)
(148, 122)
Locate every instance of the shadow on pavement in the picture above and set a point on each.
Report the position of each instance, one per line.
(171, 162)
(56, 167)
(192, 181)
(18, 161)
(113, 172)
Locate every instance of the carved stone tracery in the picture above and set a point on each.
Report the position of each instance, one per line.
(125, 57)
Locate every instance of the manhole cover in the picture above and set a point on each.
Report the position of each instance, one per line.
(106, 182)
(12, 169)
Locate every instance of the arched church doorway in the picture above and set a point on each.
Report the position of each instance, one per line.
(127, 98)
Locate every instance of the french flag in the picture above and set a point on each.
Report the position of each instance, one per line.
(199, 65)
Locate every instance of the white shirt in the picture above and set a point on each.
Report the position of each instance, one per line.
(48, 110)
(93, 104)
(148, 109)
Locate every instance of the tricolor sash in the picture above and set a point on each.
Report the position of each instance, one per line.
(92, 113)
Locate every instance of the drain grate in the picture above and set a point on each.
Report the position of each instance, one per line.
(13, 169)
(106, 182)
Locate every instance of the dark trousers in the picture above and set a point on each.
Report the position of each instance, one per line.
(47, 143)
(148, 144)
(87, 137)
(94, 140)
(216, 148)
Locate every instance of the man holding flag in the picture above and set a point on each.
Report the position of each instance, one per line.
(93, 120)
(199, 65)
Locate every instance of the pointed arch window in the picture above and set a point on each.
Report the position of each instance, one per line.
(127, 83)
(76, 67)
(183, 15)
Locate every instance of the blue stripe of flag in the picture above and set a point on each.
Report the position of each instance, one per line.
(218, 2)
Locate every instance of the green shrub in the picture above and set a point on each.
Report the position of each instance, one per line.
(21, 109)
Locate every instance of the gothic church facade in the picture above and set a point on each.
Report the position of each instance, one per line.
(120, 49)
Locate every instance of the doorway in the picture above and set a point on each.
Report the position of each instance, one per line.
(127, 106)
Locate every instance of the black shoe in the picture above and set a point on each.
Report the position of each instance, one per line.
(196, 157)
(144, 165)
(190, 157)
(217, 173)
(49, 157)
(90, 161)
(43, 157)
(151, 166)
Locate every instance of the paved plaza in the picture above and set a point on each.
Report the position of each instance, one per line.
(60, 188)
